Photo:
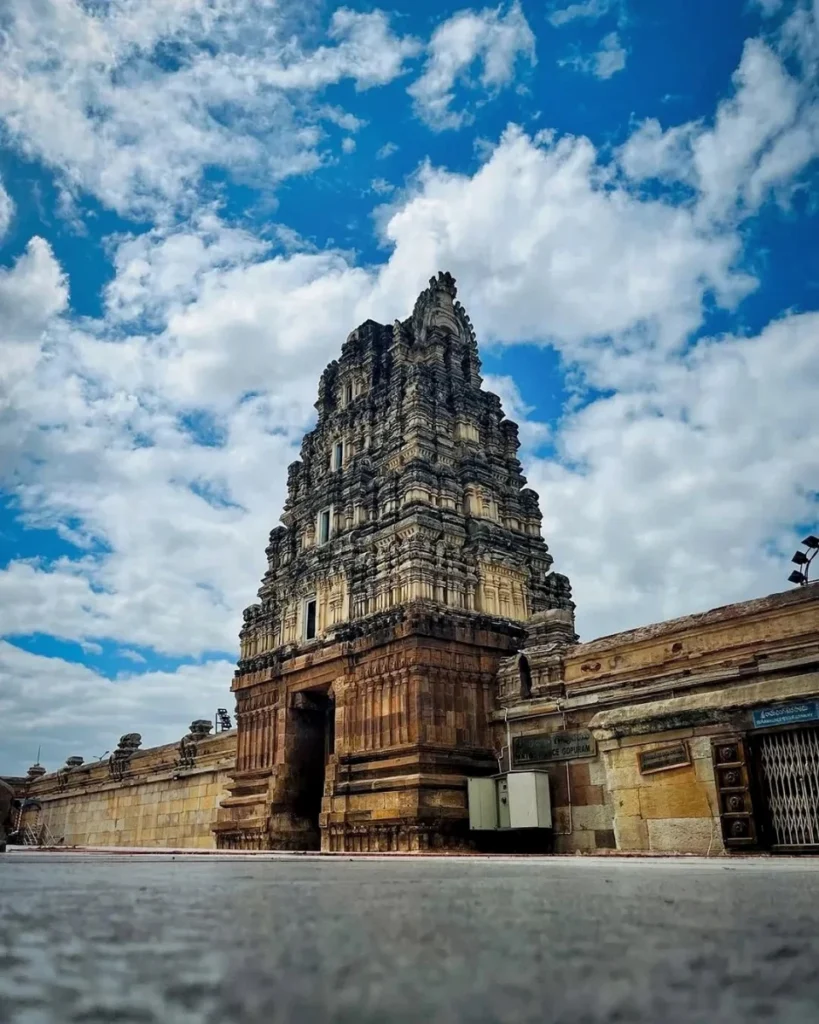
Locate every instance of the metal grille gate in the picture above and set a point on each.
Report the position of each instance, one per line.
(790, 775)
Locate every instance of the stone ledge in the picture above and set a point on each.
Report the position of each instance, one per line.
(693, 710)
(127, 784)
(742, 610)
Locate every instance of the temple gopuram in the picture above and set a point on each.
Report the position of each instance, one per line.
(409, 558)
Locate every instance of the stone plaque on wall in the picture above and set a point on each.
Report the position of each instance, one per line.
(553, 746)
(673, 756)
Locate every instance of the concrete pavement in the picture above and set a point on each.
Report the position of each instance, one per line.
(197, 939)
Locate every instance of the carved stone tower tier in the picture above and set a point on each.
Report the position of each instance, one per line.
(409, 557)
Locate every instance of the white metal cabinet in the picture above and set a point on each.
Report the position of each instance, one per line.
(509, 801)
(483, 803)
(529, 802)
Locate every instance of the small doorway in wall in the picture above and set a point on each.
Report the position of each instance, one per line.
(786, 762)
(315, 715)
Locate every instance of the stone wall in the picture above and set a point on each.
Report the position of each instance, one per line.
(582, 812)
(671, 688)
(690, 685)
(673, 811)
(157, 802)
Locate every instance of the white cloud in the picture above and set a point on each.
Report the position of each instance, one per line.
(650, 152)
(348, 145)
(32, 291)
(604, 62)
(382, 186)
(386, 150)
(765, 104)
(84, 90)
(6, 209)
(610, 58)
(588, 9)
(494, 39)
(681, 492)
(761, 139)
(537, 231)
(95, 444)
(366, 51)
(533, 433)
(343, 118)
(82, 712)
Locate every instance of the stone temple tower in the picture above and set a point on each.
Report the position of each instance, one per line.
(409, 558)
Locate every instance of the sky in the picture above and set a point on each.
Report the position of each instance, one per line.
(200, 200)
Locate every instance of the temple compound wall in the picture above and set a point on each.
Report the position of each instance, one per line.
(162, 796)
(696, 735)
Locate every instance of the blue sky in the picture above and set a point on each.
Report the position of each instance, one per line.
(199, 202)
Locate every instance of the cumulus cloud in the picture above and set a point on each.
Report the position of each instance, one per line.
(539, 232)
(650, 152)
(32, 291)
(761, 139)
(490, 37)
(590, 10)
(366, 51)
(610, 58)
(82, 712)
(89, 91)
(6, 209)
(681, 492)
(606, 61)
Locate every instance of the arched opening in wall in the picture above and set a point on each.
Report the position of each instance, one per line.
(315, 719)
(525, 677)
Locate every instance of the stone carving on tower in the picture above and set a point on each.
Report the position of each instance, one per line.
(408, 559)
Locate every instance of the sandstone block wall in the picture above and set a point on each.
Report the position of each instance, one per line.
(582, 812)
(672, 811)
(156, 804)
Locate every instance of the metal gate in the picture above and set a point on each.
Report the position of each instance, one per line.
(789, 762)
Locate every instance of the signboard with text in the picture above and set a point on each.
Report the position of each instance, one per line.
(674, 755)
(553, 746)
(785, 714)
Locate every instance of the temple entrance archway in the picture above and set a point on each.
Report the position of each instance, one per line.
(314, 743)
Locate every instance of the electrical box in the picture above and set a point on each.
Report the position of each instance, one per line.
(529, 802)
(510, 801)
(483, 803)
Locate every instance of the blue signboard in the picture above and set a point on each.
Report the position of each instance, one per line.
(784, 714)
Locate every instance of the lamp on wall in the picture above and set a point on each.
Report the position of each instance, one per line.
(803, 559)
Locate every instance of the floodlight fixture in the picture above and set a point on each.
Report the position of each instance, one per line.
(223, 722)
(803, 559)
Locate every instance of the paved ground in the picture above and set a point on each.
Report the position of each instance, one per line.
(132, 940)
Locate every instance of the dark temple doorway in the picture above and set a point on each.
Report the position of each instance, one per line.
(315, 742)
